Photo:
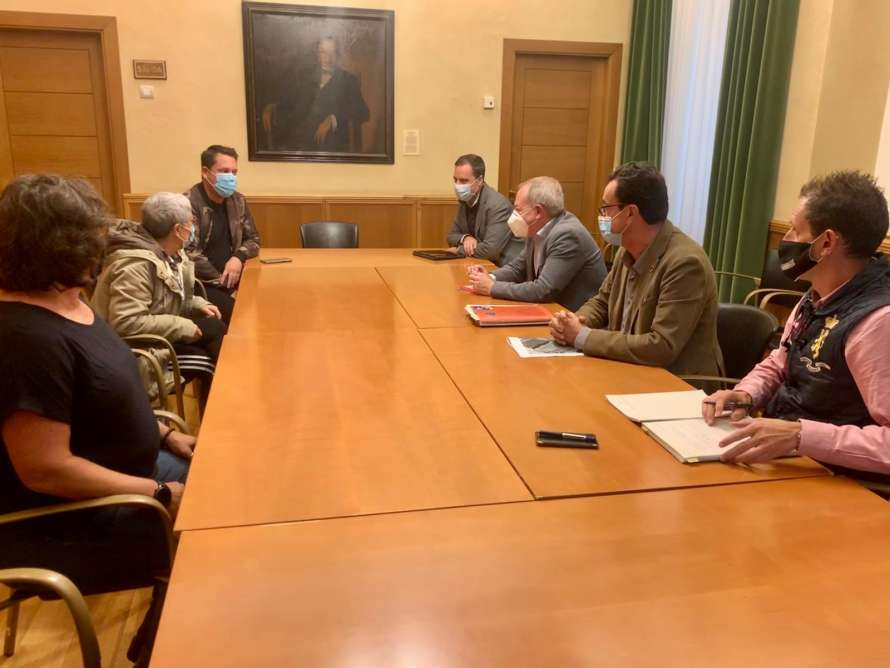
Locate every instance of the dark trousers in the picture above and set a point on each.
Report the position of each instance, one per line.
(221, 298)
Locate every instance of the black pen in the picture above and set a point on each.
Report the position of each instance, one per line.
(731, 405)
(568, 436)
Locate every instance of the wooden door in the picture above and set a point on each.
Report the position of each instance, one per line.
(53, 108)
(560, 118)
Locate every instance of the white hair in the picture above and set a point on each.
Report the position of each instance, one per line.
(161, 211)
(546, 191)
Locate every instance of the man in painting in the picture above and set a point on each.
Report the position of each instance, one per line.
(321, 107)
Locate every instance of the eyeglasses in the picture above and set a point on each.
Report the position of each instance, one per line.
(604, 207)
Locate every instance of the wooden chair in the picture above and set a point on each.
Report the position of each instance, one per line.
(142, 344)
(27, 583)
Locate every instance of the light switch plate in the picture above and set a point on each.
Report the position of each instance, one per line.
(411, 142)
(146, 91)
(488, 102)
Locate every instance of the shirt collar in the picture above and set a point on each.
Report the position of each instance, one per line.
(478, 197)
(544, 231)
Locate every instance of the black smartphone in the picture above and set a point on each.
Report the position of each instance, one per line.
(565, 439)
(275, 260)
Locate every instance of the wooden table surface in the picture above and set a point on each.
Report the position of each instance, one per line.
(432, 295)
(350, 257)
(514, 397)
(324, 424)
(288, 298)
(790, 573)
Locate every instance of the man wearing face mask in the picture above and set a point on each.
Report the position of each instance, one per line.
(225, 236)
(658, 305)
(823, 391)
(480, 225)
(560, 262)
(147, 285)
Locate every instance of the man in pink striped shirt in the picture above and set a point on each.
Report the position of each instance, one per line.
(824, 391)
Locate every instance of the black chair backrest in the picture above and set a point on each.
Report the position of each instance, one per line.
(744, 332)
(329, 234)
(773, 277)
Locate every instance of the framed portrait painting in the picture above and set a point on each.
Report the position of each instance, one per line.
(319, 83)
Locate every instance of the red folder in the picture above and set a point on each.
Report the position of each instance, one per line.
(508, 315)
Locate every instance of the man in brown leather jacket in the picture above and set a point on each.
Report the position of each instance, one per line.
(225, 234)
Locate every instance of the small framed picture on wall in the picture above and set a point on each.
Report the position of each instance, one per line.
(319, 83)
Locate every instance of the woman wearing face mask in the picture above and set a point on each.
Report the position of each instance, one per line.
(147, 286)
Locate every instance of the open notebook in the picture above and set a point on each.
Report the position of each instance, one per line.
(674, 420)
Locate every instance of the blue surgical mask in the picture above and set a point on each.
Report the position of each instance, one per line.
(225, 184)
(464, 192)
(610, 237)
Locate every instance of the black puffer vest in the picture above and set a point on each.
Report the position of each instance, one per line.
(818, 383)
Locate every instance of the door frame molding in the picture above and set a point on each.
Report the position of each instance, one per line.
(610, 53)
(105, 27)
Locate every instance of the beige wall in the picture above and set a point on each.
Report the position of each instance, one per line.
(448, 55)
(838, 93)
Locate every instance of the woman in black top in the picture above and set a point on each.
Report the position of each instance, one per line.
(75, 422)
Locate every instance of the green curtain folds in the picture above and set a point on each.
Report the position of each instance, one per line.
(748, 140)
(646, 81)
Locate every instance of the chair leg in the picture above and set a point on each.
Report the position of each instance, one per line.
(12, 626)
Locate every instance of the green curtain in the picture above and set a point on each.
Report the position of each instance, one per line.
(646, 81)
(748, 139)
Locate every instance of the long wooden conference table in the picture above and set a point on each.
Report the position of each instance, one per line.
(366, 491)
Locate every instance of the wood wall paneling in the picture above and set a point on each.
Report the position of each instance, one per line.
(384, 222)
(389, 223)
(435, 217)
(278, 222)
(778, 229)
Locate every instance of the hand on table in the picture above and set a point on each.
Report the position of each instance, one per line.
(760, 440)
(564, 327)
(481, 282)
(231, 272)
(470, 244)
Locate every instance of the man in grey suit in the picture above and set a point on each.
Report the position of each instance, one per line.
(480, 226)
(560, 263)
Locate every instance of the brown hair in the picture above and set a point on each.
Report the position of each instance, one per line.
(52, 231)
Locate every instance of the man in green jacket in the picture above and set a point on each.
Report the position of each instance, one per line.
(658, 305)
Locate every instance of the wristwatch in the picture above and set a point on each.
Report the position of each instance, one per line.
(163, 494)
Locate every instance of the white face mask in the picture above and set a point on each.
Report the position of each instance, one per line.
(517, 225)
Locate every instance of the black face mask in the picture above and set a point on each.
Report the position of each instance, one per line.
(795, 258)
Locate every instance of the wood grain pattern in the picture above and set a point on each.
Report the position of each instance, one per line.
(384, 224)
(568, 394)
(434, 219)
(325, 424)
(44, 70)
(559, 116)
(66, 55)
(289, 298)
(431, 294)
(786, 573)
(75, 156)
(51, 114)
